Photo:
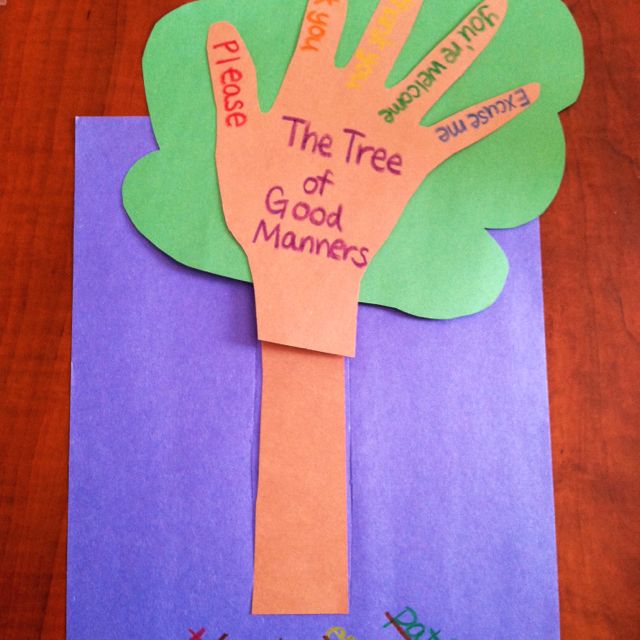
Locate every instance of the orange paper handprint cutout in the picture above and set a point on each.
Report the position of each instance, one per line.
(312, 189)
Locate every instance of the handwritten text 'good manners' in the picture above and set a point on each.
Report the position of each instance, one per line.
(355, 152)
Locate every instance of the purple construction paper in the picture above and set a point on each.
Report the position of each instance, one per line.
(450, 468)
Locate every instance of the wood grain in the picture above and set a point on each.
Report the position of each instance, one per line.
(591, 263)
(81, 57)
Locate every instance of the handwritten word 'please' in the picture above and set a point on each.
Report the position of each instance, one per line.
(302, 136)
(230, 80)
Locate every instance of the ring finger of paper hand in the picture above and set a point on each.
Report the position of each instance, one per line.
(406, 103)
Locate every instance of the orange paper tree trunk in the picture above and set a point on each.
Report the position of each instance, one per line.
(301, 563)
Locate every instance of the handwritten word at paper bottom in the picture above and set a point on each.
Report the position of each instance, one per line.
(407, 625)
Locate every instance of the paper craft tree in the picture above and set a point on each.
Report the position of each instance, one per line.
(318, 194)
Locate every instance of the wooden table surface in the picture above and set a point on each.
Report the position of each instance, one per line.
(60, 58)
